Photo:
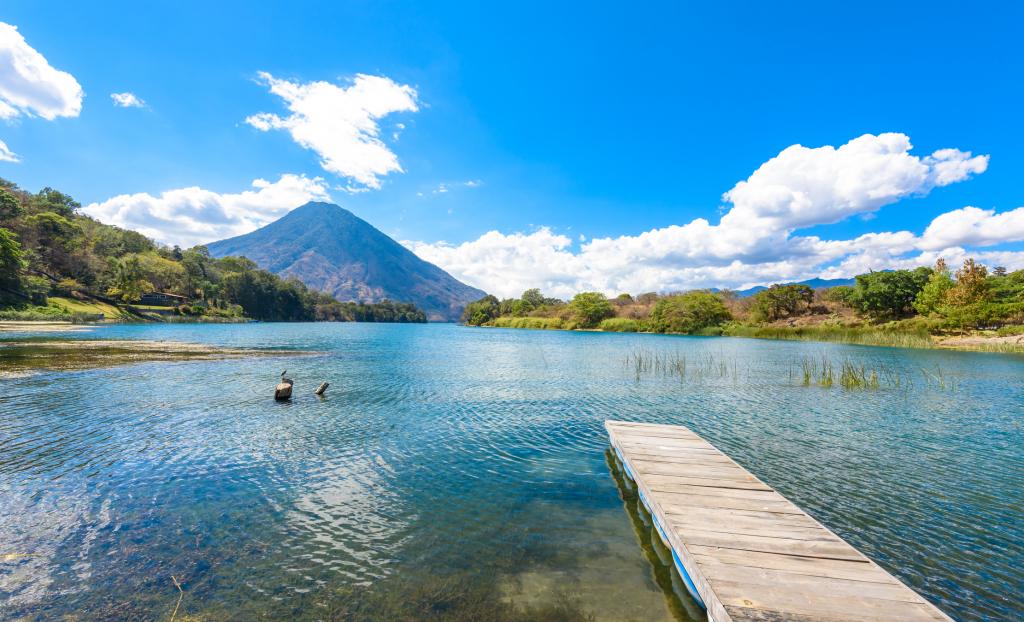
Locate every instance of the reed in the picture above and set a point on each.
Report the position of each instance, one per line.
(868, 336)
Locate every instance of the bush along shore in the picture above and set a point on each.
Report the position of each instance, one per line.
(971, 308)
(59, 265)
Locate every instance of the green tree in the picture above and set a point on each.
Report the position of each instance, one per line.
(889, 294)
(689, 312)
(481, 311)
(533, 298)
(129, 281)
(10, 206)
(932, 296)
(780, 301)
(590, 308)
(12, 260)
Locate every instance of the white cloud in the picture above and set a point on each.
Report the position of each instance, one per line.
(974, 227)
(6, 155)
(446, 187)
(341, 123)
(29, 85)
(127, 100)
(754, 242)
(189, 216)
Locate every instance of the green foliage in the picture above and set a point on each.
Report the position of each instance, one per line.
(12, 260)
(890, 294)
(10, 206)
(688, 312)
(933, 295)
(481, 312)
(533, 298)
(779, 301)
(129, 281)
(540, 323)
(590, 308)
(620, 325)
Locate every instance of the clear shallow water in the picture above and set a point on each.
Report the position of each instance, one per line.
(456, 473)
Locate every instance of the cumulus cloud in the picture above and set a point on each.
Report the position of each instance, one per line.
(127, 100)
(340, 123)
(6, 155)
(975, 227)
(754, 241)
(189, 216)
(29, 86)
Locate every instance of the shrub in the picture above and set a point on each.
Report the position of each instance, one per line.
(688, 312)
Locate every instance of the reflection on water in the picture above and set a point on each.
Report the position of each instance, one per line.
(460, 474)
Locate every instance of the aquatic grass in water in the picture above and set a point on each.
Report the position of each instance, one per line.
(704, 366)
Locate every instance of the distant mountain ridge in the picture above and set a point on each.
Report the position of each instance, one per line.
(815, 283)
(331, 249)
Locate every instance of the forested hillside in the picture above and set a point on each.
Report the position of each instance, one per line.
(55, 262)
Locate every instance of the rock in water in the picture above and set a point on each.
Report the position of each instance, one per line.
(283, 391)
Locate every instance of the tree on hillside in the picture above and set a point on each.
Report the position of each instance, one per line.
(689, 312)
(10, 206)
(12, 261)
(888, 295)
(590, 308)
(129, 281)
(933, 295)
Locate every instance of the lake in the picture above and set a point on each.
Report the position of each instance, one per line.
(454, 473)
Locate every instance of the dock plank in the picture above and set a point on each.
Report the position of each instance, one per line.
(751, 554)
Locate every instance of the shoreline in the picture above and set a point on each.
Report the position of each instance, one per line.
(998, 344)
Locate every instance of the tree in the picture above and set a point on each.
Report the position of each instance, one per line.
(50, 200)
(481, 311)
(889, 294)
(971, 285)
(932, 296)
(129, 284)
(689, 312)
(590, 308)
(780, 301)
(10, 206)
(999, 271)
(533, 298)
(12, 260)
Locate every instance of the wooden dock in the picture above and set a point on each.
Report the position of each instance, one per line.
(745, 551)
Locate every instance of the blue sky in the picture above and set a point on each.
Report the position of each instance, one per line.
(606, 121)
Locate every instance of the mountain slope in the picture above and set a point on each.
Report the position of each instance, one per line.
(331, 249)
(816, 283)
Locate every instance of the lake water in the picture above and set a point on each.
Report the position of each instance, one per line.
(460, 474)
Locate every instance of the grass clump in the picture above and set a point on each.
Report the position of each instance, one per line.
(620, 325)
(868, 336)
(539, 323)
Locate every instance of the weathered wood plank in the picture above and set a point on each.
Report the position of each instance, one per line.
(752, 554)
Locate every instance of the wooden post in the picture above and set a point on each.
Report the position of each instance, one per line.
(320, 389)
